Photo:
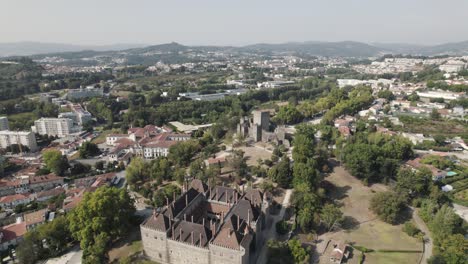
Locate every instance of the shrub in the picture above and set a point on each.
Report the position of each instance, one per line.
(282, 227)
(410, 229)
(363, 249)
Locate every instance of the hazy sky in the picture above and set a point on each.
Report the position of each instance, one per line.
(232, 22)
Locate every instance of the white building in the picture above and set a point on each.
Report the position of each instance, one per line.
(452, 66)
(54, 126)
(79, 115)
(4, 123)
(353, 82)
(25, 138)
(440, 94)
(87, 92)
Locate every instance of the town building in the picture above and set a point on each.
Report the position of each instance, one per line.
(12, 235)
(25, 138)
(11, 201)
(441, 94)
(59, 127)
(79, 115)
(90, 91)
(216, 224)
(452, 66)
(35, 218)
(149, 142)
(4, 123)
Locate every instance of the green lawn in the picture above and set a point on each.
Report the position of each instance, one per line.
(391, 258)
(102, 137)
(378, 235)
(445, 127)
(22, 121)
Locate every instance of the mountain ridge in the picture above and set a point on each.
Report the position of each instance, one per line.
(316, 48)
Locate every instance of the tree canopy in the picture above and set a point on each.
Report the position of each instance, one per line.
(99, 219)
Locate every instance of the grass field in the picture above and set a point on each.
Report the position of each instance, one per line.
(127, 247)
(391, 258)
(102, 137)
(22, 121)
(362, 227)
(445, 127)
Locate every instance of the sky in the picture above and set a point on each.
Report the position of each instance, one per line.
(233, 22)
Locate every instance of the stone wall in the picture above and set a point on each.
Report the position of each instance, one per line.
(180, 252)
(227, 256)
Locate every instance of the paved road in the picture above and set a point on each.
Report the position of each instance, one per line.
(461, 210)
(71, 257)
(461, 154)
(427, 238)
(271, 233)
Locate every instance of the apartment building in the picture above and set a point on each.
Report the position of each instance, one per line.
(79, 115)
(4, 123)
(25, 138)
(90, 91)
(54, 126)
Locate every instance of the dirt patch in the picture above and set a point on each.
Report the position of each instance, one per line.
(361, 226)
(352, 194)
(253, 153)
(127, 246)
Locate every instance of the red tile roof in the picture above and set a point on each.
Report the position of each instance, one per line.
(14, 197)
(13, 231)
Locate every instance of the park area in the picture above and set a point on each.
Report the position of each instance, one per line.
(362, 229)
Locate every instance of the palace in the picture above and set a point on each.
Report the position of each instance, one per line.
(208, 224)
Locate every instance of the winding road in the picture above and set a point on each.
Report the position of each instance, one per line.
(427, 238)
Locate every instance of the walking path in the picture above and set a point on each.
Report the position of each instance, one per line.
(427, 238)
(271, 233)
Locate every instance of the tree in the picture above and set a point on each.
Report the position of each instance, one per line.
(239, 164)
(56, 235)
(281, 173)
(303, 148)
(299, 254)
(412, 183)
(387, 94)
(55, 162)
(79, 168)
(161, 169)
(306, 173)
(137, 171)
(439, 140)
(388, 206)
(288, 115)
(183, 152)
(99, 165)
(306, 204)
(27, 252)
(454, 249)
(88, 149)
(444, 223)
(435, 115)
(101, 217)
(46, 241)
(197, 169)
(331, 216)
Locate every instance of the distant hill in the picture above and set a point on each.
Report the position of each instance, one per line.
(20, 68)
(128, 54)
(455, 48)
(332, 49)
(31, 48)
